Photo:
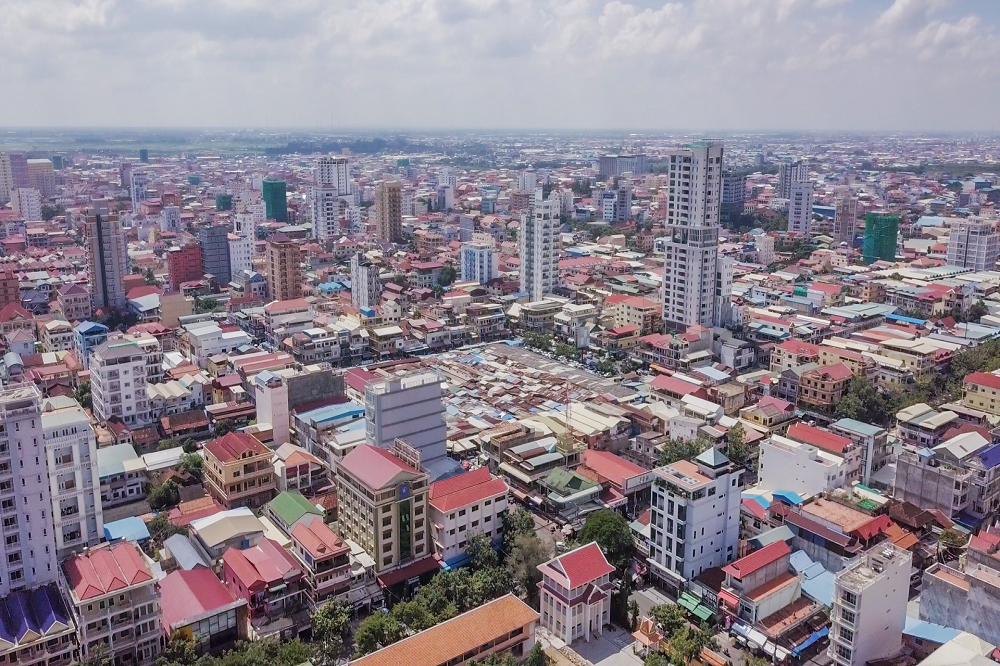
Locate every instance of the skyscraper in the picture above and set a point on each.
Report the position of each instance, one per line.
(183, 265)
(331, 183)
(788, 173)
(973, 244)
(42, 176)
(366, 289)
(27, 204)
(138, 179)
(28, 550)
(388, 211)
(733, 197)
(800, 209)
(845, 216)
(107, 260)
(214, 242)
(691, 249)
(539, 245)
(284, 271)
(6, 179)
(881, 233)
(275, 199)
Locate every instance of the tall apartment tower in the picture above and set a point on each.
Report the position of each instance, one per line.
(366, 289)
(107, 260)
(331, 182)
(973, 244)
(881, 237)
(6, 179)
(800, 209)
(284, 268)
(788, 173)
(74, 481)
(214, 242)
(410, 408)
(28, 550)
(388, 210)
(539, 245)
(869, 606)
(170, 219)
(120, 369)
(733, 197)
(479, 262)
(691, 249)
(138, 179)
(27, 204)
(41, 176)
(845, 216)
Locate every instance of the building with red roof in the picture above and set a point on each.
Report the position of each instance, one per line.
(820, 438)
(238, 471)
(197, 606)
(104, 580)
(760, 584)
(326, 558)
(383, 506)
(673, 389)
(979, 391)
(820, 389)
(463, 505)
(271, 581)
(619, 477)
(576, 593)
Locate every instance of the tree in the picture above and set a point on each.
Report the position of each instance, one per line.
(481, 552)
(611, 532)
(516, 522)
(164, 495)
(83, 396)
(497, 659)
(542, 341)
(97, 656)
(633, 614)
(684, 646)
(682, 449)
(567, 350)
(48, 212)
(537, 656)
(863, 402)
(736, 450)
(193, 464)
(656, 659)
(150, 278)
(224, 428)
(205, 304)
(977, 310)
(190, 446)
(951, 538)
(527, 554)
(160, 529)
(377, 631)
(179, 651)
(413, 615)
(447, 275)
(331, 622)
(669, 618)
(606, 366)
(492, 583)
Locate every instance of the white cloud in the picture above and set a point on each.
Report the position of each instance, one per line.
(702, 64)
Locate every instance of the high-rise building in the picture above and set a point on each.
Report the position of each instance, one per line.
(138, 180)
(284, 268)
(973, 244)
(539, 245)
(869, 606)
(214, 242)
(120, 369)
(74, 482)
(616, 165)
(724, 268)
(241, 251)
(388, 211)
(331, 187)
(845, 216)
(170, 219)
(28, 550)
(734, 188)
(183, 265)
(696, 511)
(881, 235)
(144, 155)
(107, 260)
(275, 199)
(788, 173)
(615, 201)
(41, 176)
(366, 288)
(691, 248)
(479, 262)
(411, 408)
(800, 209)
(27, 204)
(6, 179)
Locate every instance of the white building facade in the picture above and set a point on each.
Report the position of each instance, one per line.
(539, 244)
(366, 288)
(973, 244)
(479, 262)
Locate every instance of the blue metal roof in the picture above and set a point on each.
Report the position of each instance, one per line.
(756, 498)
(929, 631)
(990, 456)
(788, 497)
(36, 611)
(333, 413)
(906, 320)
(129, 529)
(90, 327)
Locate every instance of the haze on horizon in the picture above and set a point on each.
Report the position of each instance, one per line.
(740, 65)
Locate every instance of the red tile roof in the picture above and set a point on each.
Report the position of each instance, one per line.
(758, 559)
(581, 566)
(465, 489)
(875, 526)
(265, 564)
(673, 385)
(319, 539)
(983, 379)
(232, 446)
(836, 372)
(185, 595)
(106, 569)
(818, 437)
(373, 466)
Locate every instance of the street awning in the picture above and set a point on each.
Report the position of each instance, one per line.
(411, 570)
(815, 636)
(729, 598)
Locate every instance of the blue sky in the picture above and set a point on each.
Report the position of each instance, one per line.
(859, 65)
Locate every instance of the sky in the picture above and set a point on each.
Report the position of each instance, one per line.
(764, 65)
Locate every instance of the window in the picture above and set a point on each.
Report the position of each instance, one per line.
(849, 598)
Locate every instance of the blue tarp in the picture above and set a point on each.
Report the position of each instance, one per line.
(816, 635)
(928, 631)
(906, 320)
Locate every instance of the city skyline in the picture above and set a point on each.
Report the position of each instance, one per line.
(778, 65)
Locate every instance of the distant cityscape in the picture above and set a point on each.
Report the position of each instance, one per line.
(457, 398)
